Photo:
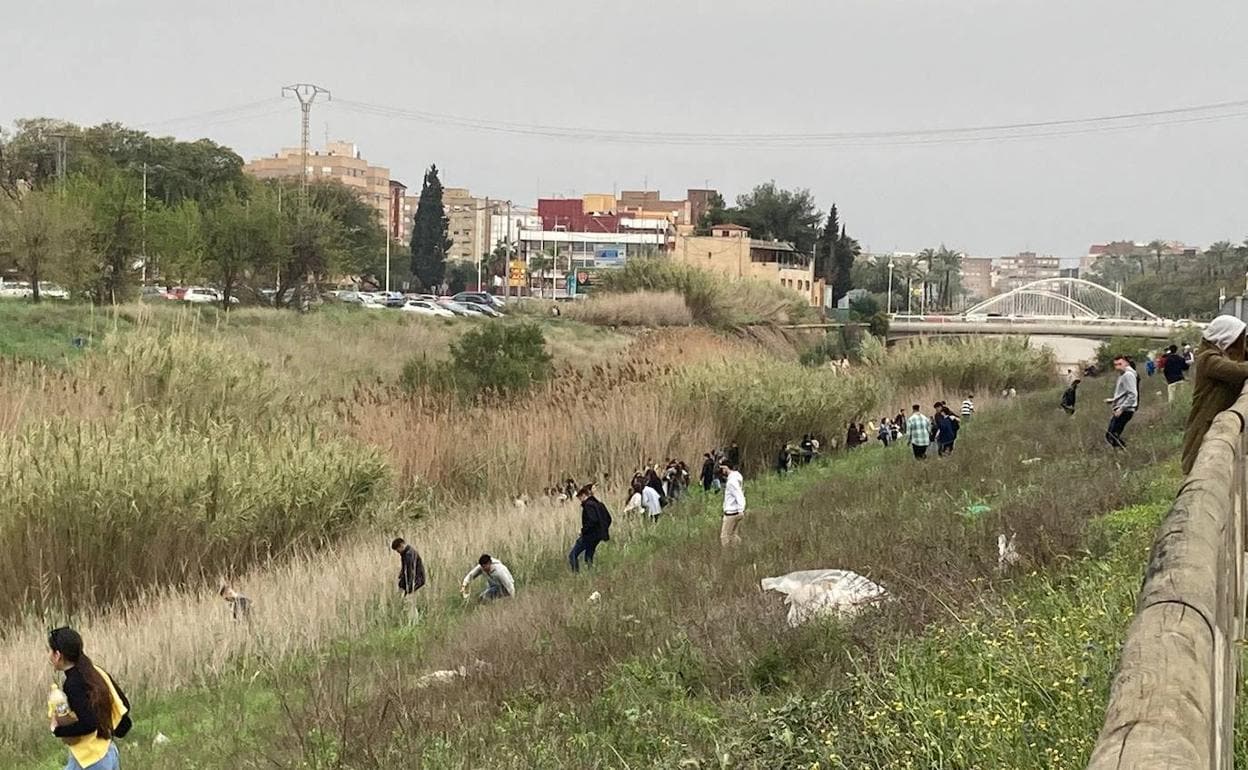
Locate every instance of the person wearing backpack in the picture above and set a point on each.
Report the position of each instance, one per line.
(94, 711)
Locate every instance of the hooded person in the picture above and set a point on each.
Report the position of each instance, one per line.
(1220, 375)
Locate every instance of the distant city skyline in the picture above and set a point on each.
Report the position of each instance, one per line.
(704, 69)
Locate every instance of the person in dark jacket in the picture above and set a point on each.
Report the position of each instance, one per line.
(944, 434)
(98, 710)
(733, 455)
(708, 471)
(1173, 366)
(1068, 396)
(411, 568)
(595, 529)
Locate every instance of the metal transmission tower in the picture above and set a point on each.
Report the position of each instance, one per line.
(306, 93)
(61, 141)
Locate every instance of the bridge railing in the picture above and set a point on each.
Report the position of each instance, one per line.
(1172, 703)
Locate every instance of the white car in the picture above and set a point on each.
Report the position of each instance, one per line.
(200, 295)
(52, 291)
(425, 307)
(15, 290)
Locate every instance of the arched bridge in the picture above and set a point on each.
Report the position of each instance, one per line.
(1063, 306)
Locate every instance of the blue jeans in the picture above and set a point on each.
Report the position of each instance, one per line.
(111, 761)
(582, 546)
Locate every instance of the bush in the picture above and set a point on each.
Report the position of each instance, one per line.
(496, 357)
(1120, 346)
(639, 308)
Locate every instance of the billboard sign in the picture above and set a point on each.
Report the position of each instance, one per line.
(609, 256)
(516, 273)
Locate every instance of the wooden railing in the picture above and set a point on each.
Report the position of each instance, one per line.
(1172, 704)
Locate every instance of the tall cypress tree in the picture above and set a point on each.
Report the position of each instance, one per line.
(825, 247)
(429, 239)
(844, 250)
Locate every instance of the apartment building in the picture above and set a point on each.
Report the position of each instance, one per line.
(979, 277)
(340, 161)
(1025, 267)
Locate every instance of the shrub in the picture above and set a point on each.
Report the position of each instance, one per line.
(639, 308)
(503, 358)
(1120, 346)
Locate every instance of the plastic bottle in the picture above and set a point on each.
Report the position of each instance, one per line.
(58, 704)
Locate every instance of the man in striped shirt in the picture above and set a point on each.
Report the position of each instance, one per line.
(968, 406)
(918, 432)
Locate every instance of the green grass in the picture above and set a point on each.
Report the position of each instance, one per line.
(46, 332)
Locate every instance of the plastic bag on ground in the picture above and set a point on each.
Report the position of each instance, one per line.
(824, 592)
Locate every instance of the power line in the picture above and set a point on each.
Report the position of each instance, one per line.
(207, 117)
(1202, 113)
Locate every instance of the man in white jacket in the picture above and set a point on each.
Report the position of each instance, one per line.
(734, 505)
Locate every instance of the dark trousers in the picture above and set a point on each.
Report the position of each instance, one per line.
(920, 452)
(582, 546)
(945, 449)
(1113, 434)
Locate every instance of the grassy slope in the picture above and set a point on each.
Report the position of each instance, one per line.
(685, 660)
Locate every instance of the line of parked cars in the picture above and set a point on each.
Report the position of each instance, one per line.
(468, 304)
(23, 290)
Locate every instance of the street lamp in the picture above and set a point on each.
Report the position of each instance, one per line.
(890, 286)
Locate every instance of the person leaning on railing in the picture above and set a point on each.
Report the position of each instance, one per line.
(1220, 374)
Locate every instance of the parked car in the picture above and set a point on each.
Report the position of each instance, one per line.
(481, 310)
(480, 298)
(353, 297)
(202, 295)
(52, 291)
(389, 298)
(458, 308)
(425, 307)
(14, 290)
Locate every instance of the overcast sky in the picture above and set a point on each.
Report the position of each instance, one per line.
(726, 66)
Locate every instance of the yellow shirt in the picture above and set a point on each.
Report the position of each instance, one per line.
(89, 749)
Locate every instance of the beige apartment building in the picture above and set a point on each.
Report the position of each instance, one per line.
(1025, 267)
(340, 161)
(730, 251)
(979, 277)
(468, 222)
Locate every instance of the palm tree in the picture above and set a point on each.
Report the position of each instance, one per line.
(949, 263)
(928, 259)
(1157, 248)
(1216, 257)
(909, 269)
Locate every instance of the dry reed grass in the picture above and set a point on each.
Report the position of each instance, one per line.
(639, 308)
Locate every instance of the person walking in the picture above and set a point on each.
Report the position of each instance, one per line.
(918, 432)
(411, 568)
(499, 583)
(944, 431)
(734, 505)
(708, 471)
(1218, 380)
(651, 502)
(1123, 403)
(94, 709)
(1068, 396)
(885, 434)
(595, 529)
(968, 407)
(1173, 366)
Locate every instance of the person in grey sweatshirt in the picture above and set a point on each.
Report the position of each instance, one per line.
(1124, 402)
(499, 583)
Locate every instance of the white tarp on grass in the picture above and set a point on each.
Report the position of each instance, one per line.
(814, 592)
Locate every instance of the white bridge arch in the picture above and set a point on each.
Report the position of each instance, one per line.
(1063, 298)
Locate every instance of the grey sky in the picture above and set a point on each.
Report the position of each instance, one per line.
(693, 65)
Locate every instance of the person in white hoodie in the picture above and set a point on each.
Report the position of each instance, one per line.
(1221, 371)
(734, 505)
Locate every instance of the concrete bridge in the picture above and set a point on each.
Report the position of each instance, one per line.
(1094, 328)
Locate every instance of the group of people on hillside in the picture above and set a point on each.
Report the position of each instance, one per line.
(941, 429)
(792, 455)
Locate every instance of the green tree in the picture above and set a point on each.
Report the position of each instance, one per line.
(242, 239)
(783, 215)
(115, 207)
(845, 251)
(460, 275)
(315, 248)
(429, 239)
(716, 213)
(825, 249)
(175, 243)
(39, 232)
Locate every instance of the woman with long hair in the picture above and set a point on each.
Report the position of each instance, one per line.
(98, 709)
